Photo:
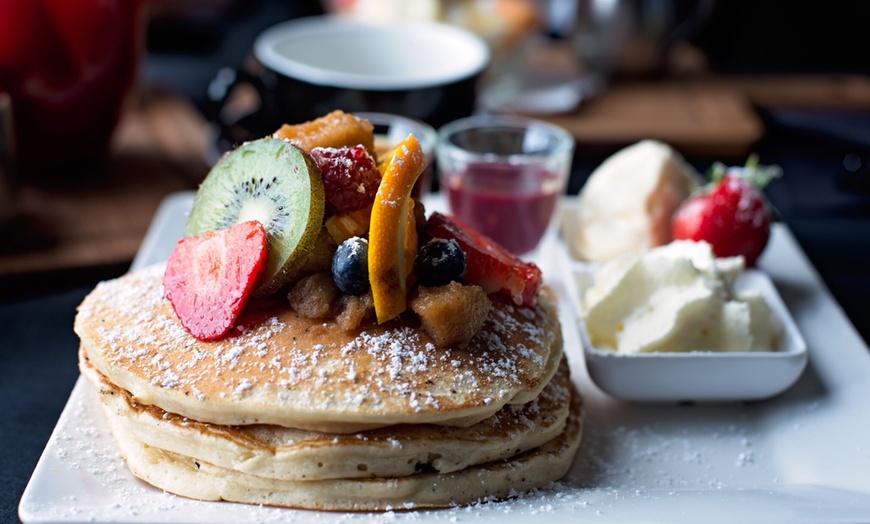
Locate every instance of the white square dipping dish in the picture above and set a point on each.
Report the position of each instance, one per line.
(698, 375)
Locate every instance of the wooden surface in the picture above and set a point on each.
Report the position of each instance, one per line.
(100, 218)
(704, 115)
(703, 120)
(159, 147)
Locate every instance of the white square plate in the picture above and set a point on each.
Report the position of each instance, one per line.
(800, 457)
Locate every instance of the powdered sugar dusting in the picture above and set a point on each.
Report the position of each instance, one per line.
(315, 367)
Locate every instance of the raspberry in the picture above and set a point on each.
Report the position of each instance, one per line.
(350, 177)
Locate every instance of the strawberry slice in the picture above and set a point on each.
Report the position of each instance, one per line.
(209, 278)
(489, 265)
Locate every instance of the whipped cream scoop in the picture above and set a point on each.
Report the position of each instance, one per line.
(678, 297)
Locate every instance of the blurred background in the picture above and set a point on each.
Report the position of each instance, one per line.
(108, 106)
(715, 79)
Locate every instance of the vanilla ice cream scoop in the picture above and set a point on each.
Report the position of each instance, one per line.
(626, 204)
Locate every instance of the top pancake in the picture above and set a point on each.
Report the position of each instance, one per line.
(280, 368)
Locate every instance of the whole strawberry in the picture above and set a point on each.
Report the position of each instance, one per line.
(731, 213)
(210, 278)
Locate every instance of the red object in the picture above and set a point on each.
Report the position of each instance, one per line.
(489, 265)
(734, 217)
(67, 65)
(505, 204)
(210, 278)
(350, 177)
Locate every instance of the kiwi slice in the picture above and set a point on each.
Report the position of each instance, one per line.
(274, 182)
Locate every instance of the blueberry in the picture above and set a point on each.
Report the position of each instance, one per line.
(350, 266)
(440, 262)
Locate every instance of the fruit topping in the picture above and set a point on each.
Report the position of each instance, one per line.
(350, 177)
(451, 314)
(319, 259)
(350, 269)
(731, 213)
(439, 262)
(353, 224)
(337, 129)
(275, 183)
(312, 296)
(393, 231)
(488, 264)
(353, 310)
(209, 278)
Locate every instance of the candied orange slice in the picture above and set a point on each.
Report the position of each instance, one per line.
(393, 233)
(384, 158)
(337, 129)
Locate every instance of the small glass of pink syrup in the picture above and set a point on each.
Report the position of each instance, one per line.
(504, 175)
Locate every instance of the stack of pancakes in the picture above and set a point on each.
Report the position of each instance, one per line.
(296, 412)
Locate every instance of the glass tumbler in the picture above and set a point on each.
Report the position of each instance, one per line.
(504, 175)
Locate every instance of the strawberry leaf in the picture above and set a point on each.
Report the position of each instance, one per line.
(758, 175)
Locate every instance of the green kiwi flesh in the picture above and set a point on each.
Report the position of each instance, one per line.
(274, 182)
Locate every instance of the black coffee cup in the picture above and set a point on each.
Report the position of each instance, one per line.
(311, 66)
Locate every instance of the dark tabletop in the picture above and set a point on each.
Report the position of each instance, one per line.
(824, 198)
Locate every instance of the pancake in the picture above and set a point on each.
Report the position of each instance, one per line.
(189, 477)
(278, 368)
(291, 454)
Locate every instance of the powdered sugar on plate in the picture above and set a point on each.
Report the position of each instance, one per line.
(622, 469)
